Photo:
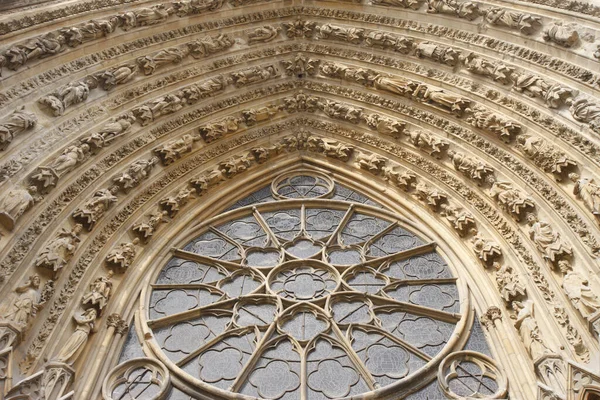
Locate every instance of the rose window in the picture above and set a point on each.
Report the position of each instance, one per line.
(303, 298)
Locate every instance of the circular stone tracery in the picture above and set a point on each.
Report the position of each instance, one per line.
(281, 327)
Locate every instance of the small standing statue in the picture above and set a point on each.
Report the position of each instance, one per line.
(528, 329)
(71, 350)
(581, 295)
(122, 256)
(99, 291)
(15, 203)
(587, 191)
(547, 240)
(60, 249)
(27, 303)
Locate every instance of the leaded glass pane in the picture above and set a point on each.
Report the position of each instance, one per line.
(361, 228)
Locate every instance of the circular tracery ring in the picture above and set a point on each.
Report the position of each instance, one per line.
(304, 299)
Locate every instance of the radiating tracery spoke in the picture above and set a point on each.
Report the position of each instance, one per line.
(304, 302)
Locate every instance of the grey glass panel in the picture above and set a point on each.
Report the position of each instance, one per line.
(245, 231)
(344, 257)
(477, 341)
(331, 374)
(138, 384)
(267, 258)
(393, 242)
(276, 374)
(351, 312)
(239, 285)
(424, 333)
(260, 196)
(181, 339)
(304, 283)
(470, 381)
(303, 186)
(366, 282)
(321, 223)
(303, 249)
(426, 266)
(387, 361)
(212, 245)
(304, 326)
(180, 271)
(177, 394)
(256, 314)
(343, 193)
(441, 296)
(361, 228)
(132, 347)
(429, 392)
(284, 224)
(165, 302)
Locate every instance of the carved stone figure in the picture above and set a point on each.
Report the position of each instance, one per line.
(442, 54)
(466, 9)
(414, 4)
(38, 47)
(531, 85)
(145, 16)
(528, 329)
(145, 230)
(478, 65)
(527, 24)
(433, 197)
(256, 115)
(210, 45)
(171, 55)
(59, 250)
(335, 32)
(263, 154)
(212, 86)
(98, 292)
(175, 149)
(263, 34)
(237, 165)
(385, 40)
(562, 35)
(27, 302)
(113, 129)
(545, 155)
(438, 97)
(363, 76)
(491, 122)
(14, 204)
(462, 221)
(122, 256)
(429, 143)
(404, 180)
(69, 95)
(330, 148)
(254, 75)
(299, 29)
(581, 295)
(217, 129)
(557, 96)
(547, 240)
(587, 191)
(487, 250)
(211, 178)
(342, 111)
(73, 347)
(153, 109)
(15, 124)
(396, 85)
(92, 210)
(470, 166)
(137, 172)
(301, 102)
(117, 76)
(509, 284)
(173, 204)
(91, 30)
(72, 156)
(372, 162)
(184, 8)
(512, 200)
(384, 125)
(300, 65)
(584, 110)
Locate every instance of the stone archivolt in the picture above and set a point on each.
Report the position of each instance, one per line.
(468, 139)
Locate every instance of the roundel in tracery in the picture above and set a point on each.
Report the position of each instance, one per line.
(304, 298)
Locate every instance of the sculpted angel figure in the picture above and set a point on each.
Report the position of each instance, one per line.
(99, 291)
(171, 55)
(587, 191)
(447, 101)
(217, 129)
(547, 240)
(584, 110)
(384, 125)
(117, 76)
(562, 35)
(137, 172)
(513, 200)
(174, 149)
(90, 30)
(414, 4)
(174, 203)
(164, 105)
(15, 124)
(92, 210)
(59, 250)
(526, 23)
(351, 35)
(470, 166)
(581, 295)
(146, 229)
(68, 95)
(545, 155)
(397, 85)
(443, 54)
(371, 162)
(486, 250)
(254, 75)
(27, 303)
(528, 329)
(74, 346)
(145, 16)
(508, 283)
(210, 45)
(122, 256)
(69, 159)
(462, 221)
(429, 143)
(404, 180)
(117, 127)
(465, 9)
(263, 34)
(39, 47)
(432, 196)
(14, 204)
